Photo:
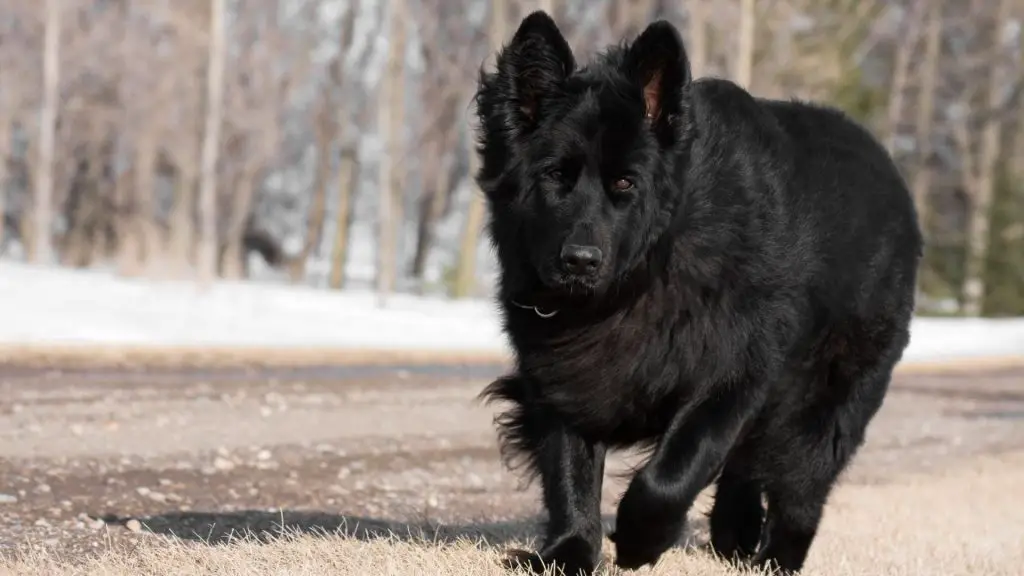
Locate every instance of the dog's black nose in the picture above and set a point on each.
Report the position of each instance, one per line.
(581, 259)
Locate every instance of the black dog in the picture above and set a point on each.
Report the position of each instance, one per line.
(725, 280)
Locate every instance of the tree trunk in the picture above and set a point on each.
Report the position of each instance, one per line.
(699, 33)
(981, 197)
(207, 253)
(129, 250)
(182, 239)
(42, 245)
(233, 265)
(389, 124)
(397, 144)
(317, 212)
(135, 242)
(746, 47)
(5, 145)
(431, 209)
(422, 246)
(85, 212)
(901, 72)
(342, 218)
(926, 112)
(145, 214)
(182, 224)
(465, 272)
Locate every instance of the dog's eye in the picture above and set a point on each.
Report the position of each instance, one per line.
(623, 185)
(554, 174)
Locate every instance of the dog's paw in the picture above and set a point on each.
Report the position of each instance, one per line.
(571, 557)
(646, 526)
(516, 559)
(634, 550)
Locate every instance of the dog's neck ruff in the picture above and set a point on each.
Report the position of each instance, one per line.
(536, 310)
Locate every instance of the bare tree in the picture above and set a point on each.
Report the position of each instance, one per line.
(140, 225)
(207, 253)
(819, 60)
(149, 158)
(325, 134)
(342, 217)
(185, 136)
(445, 91)
(41, 247)
(699, 23)
(21, 85)
(901, 72)
(5, 144)
(256, 93)
(437, 172)
(330, 115)
(389, 125)
(744, 73)
(349, 109)
(980, 169)
(929, 69)
(10, 106)
(147, 92)
(138, 139)
(465, 273)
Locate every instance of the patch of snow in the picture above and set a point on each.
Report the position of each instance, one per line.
(936, 338)
(49, 305)
(41, 305)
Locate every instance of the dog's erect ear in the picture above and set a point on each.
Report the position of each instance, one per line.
(657, 62)
(533, 66)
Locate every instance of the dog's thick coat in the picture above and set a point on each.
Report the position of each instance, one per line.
(725, 280)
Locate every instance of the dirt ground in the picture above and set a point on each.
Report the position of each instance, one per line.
(100, 461)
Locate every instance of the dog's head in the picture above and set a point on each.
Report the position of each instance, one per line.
(581, 165)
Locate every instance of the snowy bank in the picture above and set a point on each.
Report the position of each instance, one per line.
(62, 306)
(52, 306)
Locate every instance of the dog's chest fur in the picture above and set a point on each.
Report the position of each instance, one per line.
(619, 375)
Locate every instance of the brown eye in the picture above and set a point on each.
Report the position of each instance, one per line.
(623, 185)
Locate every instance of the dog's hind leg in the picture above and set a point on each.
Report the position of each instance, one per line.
(792, 523)
(823, 438)
(737, 516)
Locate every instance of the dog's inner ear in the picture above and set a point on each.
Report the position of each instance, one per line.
(657, 61)
(536, 63)
(533, 84)
(652, 96)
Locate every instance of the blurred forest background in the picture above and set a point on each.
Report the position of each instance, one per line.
(327, 142)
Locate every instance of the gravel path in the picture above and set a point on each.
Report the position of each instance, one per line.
(99, 458)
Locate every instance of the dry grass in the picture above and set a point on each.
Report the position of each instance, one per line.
(316, 557)
(970, 522)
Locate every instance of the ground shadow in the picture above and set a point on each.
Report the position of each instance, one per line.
(216, 528)
(219, 528)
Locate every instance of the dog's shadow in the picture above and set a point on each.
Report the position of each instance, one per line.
(218, 528)
(221, 528)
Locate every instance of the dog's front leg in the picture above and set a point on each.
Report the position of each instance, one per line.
(652, 513)
(571, 470)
